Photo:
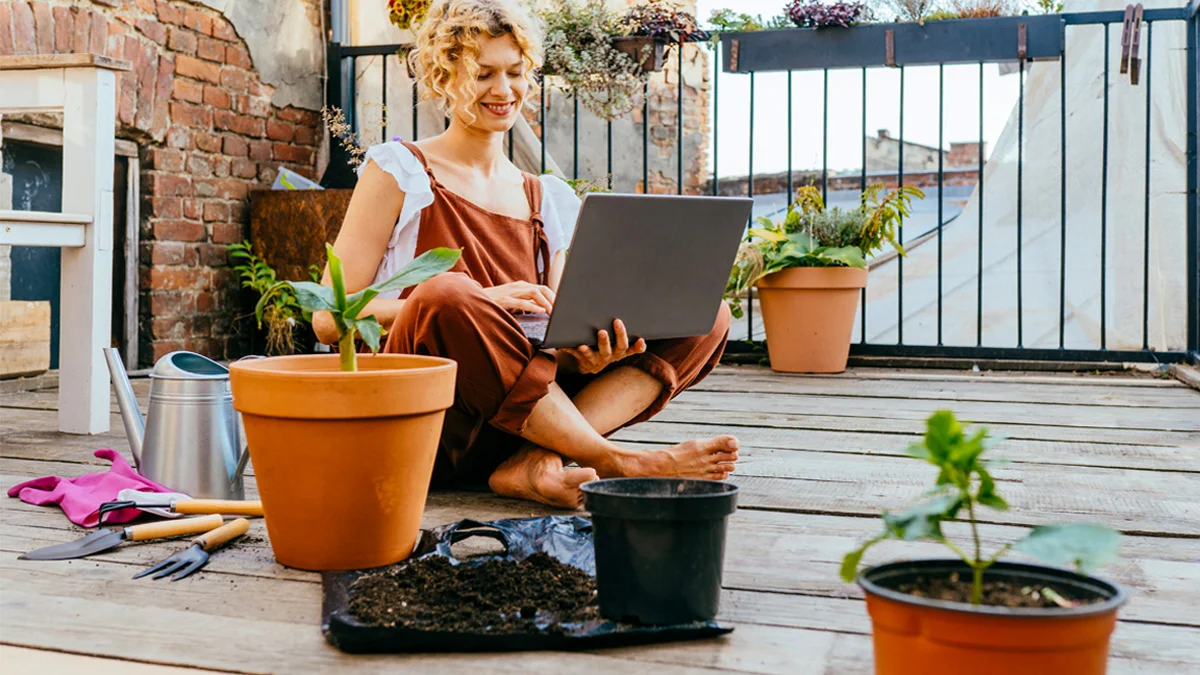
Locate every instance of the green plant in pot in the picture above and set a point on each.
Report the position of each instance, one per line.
(809, 268)
(580, 58)
(652, 27)
(343, 445)
(276, 306)
(934, 616)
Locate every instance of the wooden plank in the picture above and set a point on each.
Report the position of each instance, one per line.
(31, 133)
(14, 233)
(1040, 414)
(40, 61)
(24, 338)
(22, 660)
(876, 374)
(977, 391)
(1068, 453)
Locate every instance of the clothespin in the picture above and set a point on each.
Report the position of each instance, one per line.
(1135, 61)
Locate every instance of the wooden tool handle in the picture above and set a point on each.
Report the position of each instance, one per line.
(231, 530)
(173, 528)
(228, 507)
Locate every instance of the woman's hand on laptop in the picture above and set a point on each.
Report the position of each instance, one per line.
(522, 296)
(593, 360)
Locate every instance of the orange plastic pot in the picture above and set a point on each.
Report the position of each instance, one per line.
(343, 460)
(935, 637)
(809, 316)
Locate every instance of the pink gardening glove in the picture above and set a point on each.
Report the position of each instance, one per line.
(81, 497)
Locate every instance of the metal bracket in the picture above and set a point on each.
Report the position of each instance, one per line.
(733, 55)
(1126, 26)
(1022, 41)
(1135, 60)
(890, 47)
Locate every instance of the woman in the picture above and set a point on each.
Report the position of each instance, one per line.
(519, 413)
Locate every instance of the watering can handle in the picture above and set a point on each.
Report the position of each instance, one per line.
(243, 448)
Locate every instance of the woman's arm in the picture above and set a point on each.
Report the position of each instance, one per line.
(374, 208)
(556, 270)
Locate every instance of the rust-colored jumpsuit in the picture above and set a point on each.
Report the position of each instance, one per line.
(501, 376)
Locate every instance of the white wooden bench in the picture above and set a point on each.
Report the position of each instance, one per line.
(83, 88)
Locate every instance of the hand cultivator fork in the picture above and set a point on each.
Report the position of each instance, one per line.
(196, 556)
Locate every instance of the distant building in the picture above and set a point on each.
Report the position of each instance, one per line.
(883, 154)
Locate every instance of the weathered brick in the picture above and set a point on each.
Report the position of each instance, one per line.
(147, 6)
(166, 74)
(298, 116)
(213, 255)
(188, 66)
(257, 88)
(172, 304)
(98, 39)
(174, 327)
(193, 208)
(280, 131)
(208, 142)
(43, 20)
(234, 80)
(127, 96)
(197, 21)
(225, 188)
(260, 150)
(221, 166)
(211, 50)
(164, 207)
(164, 159)
(216, 211)
(191, 115)
(252, 105)
(166, 185)
(199, 165)
(6, 35)
(224, 30)
(248, 126)
(239, 211)
(216, 97)
(165, 253)
(267, 171)
(179, 230)
(64, 29)
(153, 29)
(235, 146)
(305, 136)
(182, 41)
(24, 32)
(236, 56)
(245, 168)
(205, 301)
(226, 233)
(291, 153)
(169, 13)
(179, 137)
(116, 39)
(187, 90)
(147, 72)
(83, 29)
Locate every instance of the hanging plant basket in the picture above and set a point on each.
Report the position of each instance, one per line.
(649, 53)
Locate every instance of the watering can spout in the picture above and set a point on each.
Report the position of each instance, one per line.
(131, 414)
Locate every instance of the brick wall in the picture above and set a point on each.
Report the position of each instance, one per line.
(208, 134)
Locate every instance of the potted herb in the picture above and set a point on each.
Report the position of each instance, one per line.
(343, 447)
(277, 304)
(652, 27)
(808, 269)
(937, 616)
(578, 50)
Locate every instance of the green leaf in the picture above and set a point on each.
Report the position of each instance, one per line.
(370, 331)
(993, 500)
(768, 235)
(1087, 546)
(850, 562)
(923, 521)
(335, 275)
(356, 303)
(849, 256)
(313, 296)
(427, 265)
(798, 245)
(918, 451)
(942, 433)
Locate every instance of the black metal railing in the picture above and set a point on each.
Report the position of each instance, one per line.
(342, 93)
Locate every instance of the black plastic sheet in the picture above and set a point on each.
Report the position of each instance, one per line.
(566, 538)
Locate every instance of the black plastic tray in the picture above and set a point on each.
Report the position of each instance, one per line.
(566, 538)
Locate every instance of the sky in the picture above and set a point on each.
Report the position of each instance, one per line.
(961, 114)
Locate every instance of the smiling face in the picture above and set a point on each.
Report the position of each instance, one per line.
(500, 85)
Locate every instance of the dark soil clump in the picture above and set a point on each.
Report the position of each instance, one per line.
(493, 596)
(995, 593)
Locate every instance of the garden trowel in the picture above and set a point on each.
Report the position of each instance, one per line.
(104, 539)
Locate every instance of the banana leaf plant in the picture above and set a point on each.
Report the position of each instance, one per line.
(315, 297)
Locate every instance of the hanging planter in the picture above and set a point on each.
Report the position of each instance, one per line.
(650, 54)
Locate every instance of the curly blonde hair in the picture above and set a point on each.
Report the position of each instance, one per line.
(448, 39)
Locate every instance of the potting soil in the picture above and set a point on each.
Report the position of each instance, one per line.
(957, 588)
(495, 596)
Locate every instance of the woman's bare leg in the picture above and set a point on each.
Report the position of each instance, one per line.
(575, 430)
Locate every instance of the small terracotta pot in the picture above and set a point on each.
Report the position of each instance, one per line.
(809, 317)
(343, 460)
(632, 46)
(915, 635)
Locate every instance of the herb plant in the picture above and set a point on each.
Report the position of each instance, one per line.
(279, 307)
(729, 21)
(809, 235)
(578, 48)
(815, 14)
(315, 297)
(965, 484)
(662, 20)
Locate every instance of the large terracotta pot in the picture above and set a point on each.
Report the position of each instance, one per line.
(809, 316)
(343, 460)
(915, 635)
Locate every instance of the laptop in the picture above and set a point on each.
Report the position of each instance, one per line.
(659, 263)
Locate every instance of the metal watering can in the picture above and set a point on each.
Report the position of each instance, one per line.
(192, 440)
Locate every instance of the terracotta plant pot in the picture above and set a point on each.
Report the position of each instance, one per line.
(935, 637)
(343, 460)
(809, 317)
(651, 60)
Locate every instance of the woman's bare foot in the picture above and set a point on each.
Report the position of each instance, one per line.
(538, 475)
(712, 458)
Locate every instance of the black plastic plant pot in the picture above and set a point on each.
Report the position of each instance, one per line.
(914, 634)
(660, 547)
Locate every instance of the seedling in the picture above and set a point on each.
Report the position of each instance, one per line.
(965, 483)
(315, 297)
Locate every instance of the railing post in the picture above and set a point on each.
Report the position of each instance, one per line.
(338, 174)
(1193, 183)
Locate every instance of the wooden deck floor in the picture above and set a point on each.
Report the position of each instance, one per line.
(821, 458)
